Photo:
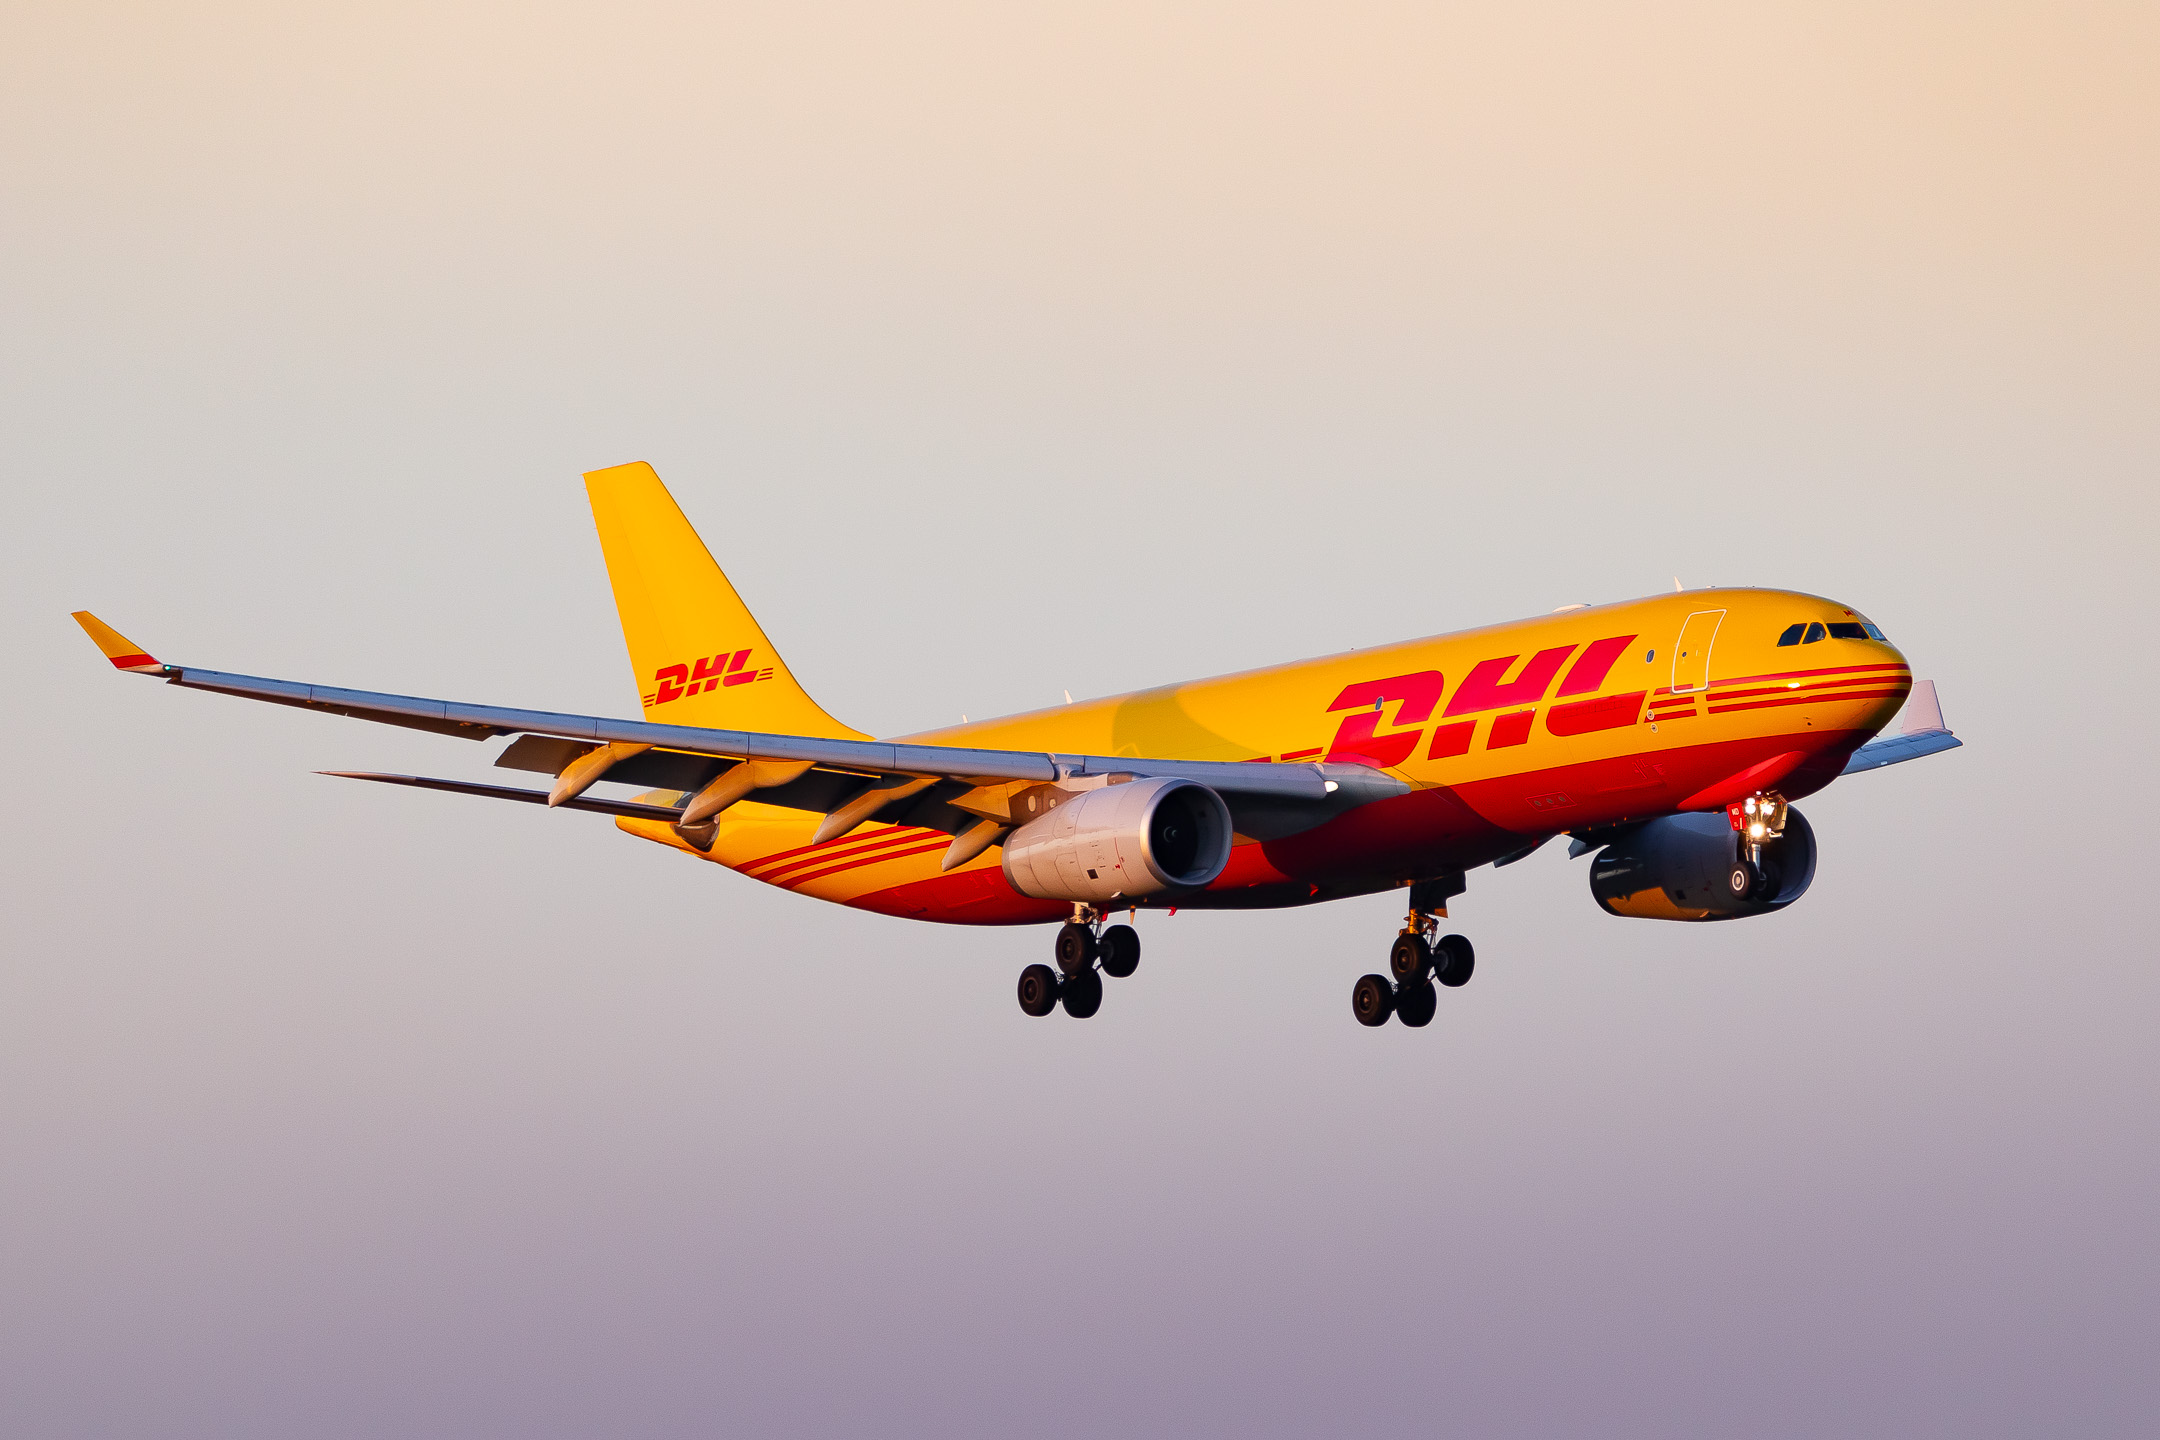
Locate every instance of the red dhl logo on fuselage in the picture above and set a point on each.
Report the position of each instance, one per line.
(674, 682)
(1488, 687)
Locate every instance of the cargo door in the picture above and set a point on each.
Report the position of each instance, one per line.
(1691, 654)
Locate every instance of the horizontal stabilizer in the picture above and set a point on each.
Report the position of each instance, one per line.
(632, 808)
(1923, 733)
(1878, 753)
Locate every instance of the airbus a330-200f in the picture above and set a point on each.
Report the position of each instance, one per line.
(1666, 737)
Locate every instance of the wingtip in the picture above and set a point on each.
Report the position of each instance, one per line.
(124, 653)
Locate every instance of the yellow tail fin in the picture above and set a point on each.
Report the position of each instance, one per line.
(699, 656)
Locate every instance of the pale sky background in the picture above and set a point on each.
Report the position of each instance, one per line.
(1001, 350)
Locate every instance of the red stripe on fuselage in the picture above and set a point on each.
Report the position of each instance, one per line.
(798, 881)
(831, 850)
(1793, 687)
(1814, 700)
(1803, 674)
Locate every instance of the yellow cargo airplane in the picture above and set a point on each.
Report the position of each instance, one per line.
(1667, 734)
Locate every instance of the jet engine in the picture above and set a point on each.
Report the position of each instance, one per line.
(1695, 867)
(1121, 841)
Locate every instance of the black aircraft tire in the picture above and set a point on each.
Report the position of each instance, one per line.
(1075, 948)
(1372, 1000)
(1038, 990)
(1415, 1005)
(1410, 958)
(1454, 960)
(1120, 950)
(1082, 994)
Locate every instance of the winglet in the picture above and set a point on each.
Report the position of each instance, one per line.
(124, 653)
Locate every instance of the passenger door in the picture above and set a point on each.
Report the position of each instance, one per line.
(1691, 655)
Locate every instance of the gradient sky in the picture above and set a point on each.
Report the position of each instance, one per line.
(1004, 350)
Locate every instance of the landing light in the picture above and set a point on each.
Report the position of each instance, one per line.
(1759, 818)
(1758, 814)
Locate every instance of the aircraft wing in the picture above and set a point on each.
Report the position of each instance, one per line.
(636, 809)
(849, 780)
(1923, 733)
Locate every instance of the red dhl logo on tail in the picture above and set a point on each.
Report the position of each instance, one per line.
(673, 682)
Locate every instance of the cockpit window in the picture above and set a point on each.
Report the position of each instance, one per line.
(1806, 633)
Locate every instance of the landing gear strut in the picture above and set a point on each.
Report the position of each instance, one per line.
(1757, 821)
(1419, 957)
(1083, 944)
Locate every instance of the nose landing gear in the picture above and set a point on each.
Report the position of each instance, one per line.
(1418, 959)
(1083, 944)
(1757, 821)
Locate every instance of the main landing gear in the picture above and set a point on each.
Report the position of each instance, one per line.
(1419, 959)
(1083, 943)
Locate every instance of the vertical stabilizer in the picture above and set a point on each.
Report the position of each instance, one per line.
(1923, 711)
(699, 656)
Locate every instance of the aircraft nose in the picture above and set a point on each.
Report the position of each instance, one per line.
(1893, 655)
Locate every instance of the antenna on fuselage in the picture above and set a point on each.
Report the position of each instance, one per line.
(1677, 587)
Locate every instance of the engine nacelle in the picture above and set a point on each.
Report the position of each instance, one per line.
(1122, 842)
(1680, 868)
